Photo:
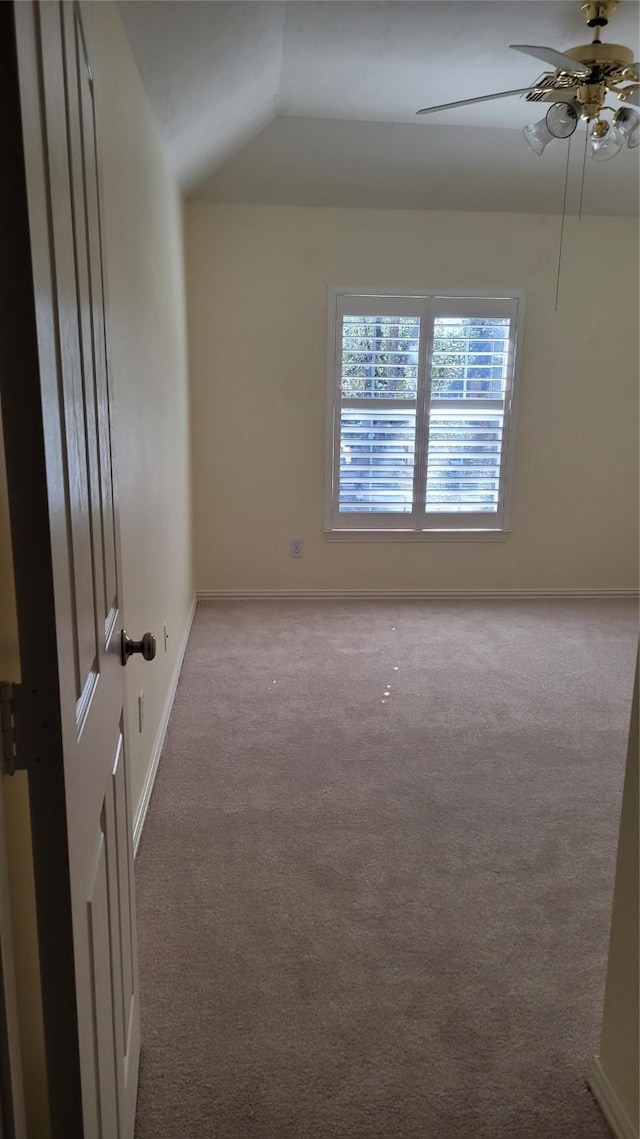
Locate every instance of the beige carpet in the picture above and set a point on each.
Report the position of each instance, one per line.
(383, 916)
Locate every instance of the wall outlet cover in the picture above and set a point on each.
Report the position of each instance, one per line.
(296, 548)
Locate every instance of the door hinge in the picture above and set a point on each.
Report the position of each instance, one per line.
(9, 758)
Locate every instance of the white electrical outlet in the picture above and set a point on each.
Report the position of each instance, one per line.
(296, 548)
(141, 710)
(166, 636)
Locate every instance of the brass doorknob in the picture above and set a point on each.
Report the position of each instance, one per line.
(147, 646)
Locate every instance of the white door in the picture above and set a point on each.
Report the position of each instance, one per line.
(70, 718)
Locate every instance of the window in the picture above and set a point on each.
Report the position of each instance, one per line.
(419, 417)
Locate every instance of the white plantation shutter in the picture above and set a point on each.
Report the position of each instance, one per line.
(378, 389)
(421, 395)
(470, 363)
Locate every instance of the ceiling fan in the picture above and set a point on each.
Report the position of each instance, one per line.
(578, 84)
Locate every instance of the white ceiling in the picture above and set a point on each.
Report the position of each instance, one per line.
(294, 102)
(211, 71)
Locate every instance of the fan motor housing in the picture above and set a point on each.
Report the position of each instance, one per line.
(597, 54)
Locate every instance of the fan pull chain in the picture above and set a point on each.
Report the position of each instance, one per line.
(584, 169)
(564, 214)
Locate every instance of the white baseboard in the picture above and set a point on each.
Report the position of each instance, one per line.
(143, 805)
(609, 1103)
(410, 594)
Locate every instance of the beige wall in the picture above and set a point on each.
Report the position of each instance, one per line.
(619, 1055)
(147, 339)
(257, 280)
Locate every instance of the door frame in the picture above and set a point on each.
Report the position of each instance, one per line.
(12, 1105)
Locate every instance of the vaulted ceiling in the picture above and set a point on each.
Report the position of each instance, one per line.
(314, 102)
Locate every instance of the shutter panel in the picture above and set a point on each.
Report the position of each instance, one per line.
(377, 450)
(469, 374)
(463, 468)
(378, 385)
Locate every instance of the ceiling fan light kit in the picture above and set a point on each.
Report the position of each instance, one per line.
(560, 121)
(538, 136)
(582, 78)
(604, 141)
(627, 121)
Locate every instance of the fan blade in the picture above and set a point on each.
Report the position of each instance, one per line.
(466, 102)
(631, 100)
(557, 60)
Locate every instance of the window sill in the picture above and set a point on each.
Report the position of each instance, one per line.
(416, 535)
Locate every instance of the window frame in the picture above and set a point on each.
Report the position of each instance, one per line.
(431, 303)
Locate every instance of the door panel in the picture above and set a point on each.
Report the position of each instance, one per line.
(119, 891)
(100, 961)
(123, 878)
(88, 234)
(94, 230)
(75, 391)
(79, 779)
